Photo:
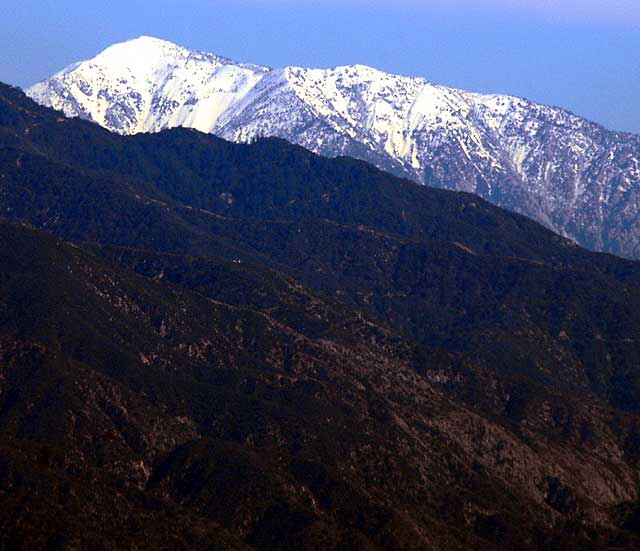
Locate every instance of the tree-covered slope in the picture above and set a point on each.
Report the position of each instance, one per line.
(255, 346)
(448, 269)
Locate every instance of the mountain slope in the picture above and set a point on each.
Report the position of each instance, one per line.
(450, 270)
(118, 382)
(572, 175)
(200, 424)
(299, 350)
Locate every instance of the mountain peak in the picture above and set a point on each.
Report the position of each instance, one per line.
(138, 52)
(149, 38)
(541, 161)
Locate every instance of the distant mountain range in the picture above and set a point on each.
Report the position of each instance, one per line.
(570, 174)
(219, 346)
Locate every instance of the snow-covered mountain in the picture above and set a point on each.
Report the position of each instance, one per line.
(572, 175)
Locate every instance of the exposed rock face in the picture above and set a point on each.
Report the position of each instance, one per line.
(572, 175)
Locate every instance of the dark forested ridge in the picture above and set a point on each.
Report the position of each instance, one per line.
(250, 346)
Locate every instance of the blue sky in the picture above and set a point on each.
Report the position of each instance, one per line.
(581, 55)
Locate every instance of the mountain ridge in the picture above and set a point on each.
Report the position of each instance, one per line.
(574, 176)
(250, 345)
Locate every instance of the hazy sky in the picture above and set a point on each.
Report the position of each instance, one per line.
(582, 55)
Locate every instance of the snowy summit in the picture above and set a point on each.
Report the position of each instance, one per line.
(570, 174)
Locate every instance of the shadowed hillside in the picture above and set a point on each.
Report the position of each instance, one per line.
(250, 345)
